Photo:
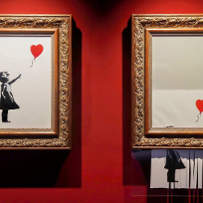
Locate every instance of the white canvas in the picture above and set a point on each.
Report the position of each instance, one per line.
(158, 172)
(177, 69)
(32, 92)
(199, 156)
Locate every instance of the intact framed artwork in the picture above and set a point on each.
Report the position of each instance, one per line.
(35, 78)
(167, 85)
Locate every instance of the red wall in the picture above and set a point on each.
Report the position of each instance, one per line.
(98, 169)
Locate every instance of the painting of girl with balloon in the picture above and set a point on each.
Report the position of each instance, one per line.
(26, 81)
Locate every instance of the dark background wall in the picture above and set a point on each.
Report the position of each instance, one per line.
(100, 167)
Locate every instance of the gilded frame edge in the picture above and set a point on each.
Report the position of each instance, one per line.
(63, 23)
(139, 24)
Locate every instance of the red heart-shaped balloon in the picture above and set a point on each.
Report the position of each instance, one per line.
(36, 50)
(199, 104)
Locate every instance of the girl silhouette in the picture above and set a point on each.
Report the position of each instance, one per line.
(173, 162)
(7, 100)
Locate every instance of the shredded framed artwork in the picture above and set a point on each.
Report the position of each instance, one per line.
(35, 79)
(167, 85)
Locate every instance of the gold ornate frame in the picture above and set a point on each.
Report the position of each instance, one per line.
(59, 28)
(143, 135)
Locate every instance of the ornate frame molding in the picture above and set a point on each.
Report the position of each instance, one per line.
(60, 25)
(140, 25)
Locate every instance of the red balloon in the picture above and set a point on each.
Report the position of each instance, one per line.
(199, 104)
(36, 50)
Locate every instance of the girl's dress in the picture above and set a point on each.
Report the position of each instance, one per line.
(7, 101)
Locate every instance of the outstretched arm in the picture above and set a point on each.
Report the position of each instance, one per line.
(12, 81)
(3, 92)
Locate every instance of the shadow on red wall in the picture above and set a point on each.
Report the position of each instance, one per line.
(50, 168)
(126, 69)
